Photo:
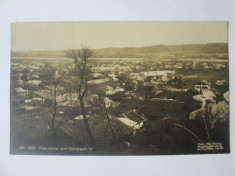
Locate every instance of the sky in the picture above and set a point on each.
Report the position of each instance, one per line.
(73, 35)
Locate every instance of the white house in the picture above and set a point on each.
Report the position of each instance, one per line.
(21, 91)
(113, 91)
(159, 76)
(131, 123)
(206, 95)
(108, 102)
(33, 83)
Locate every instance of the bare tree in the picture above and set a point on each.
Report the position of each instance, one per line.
(106, 111)
(207, 116)
(53, 93)
(80, 58)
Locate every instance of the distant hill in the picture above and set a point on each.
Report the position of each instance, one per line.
(158, 50)
(146, 51)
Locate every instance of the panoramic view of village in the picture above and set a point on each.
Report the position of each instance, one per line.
(158, 99)
(132, 104)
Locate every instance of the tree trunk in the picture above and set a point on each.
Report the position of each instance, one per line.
(110, 126)
(86, 122)
(206, 120)
(53, 118)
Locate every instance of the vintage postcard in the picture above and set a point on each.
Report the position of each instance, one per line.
(119, 88)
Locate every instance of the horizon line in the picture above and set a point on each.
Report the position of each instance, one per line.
(121, 47)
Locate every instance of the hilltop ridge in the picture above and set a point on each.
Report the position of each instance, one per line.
(131, 52)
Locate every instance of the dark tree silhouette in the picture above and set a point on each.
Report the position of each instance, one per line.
(54, 79)
(80, 58)
(26, 73)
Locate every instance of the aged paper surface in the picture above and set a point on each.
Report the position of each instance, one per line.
(119, 88)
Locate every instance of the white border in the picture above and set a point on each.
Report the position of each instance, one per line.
(110, 10)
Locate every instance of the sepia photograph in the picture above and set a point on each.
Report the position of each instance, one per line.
(119, 88)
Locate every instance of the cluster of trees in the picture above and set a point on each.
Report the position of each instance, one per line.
(58, 82)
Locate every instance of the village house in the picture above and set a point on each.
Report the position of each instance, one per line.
(162, 76)
(36, 101)
(113, 91)
(33, 67)
(35, 77)
(219, 66)
(222, 85)
(207, 95)
(33, 83)
(27, 101)
(114, 77)
(111, 69)
(97, 75)
(80, 117)
(132, 119)
(21, 91)
(179, 65)
(135, 77)
(131, 123)
(201, 86)
(221, 82)
(99, 81)
(108, 102)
